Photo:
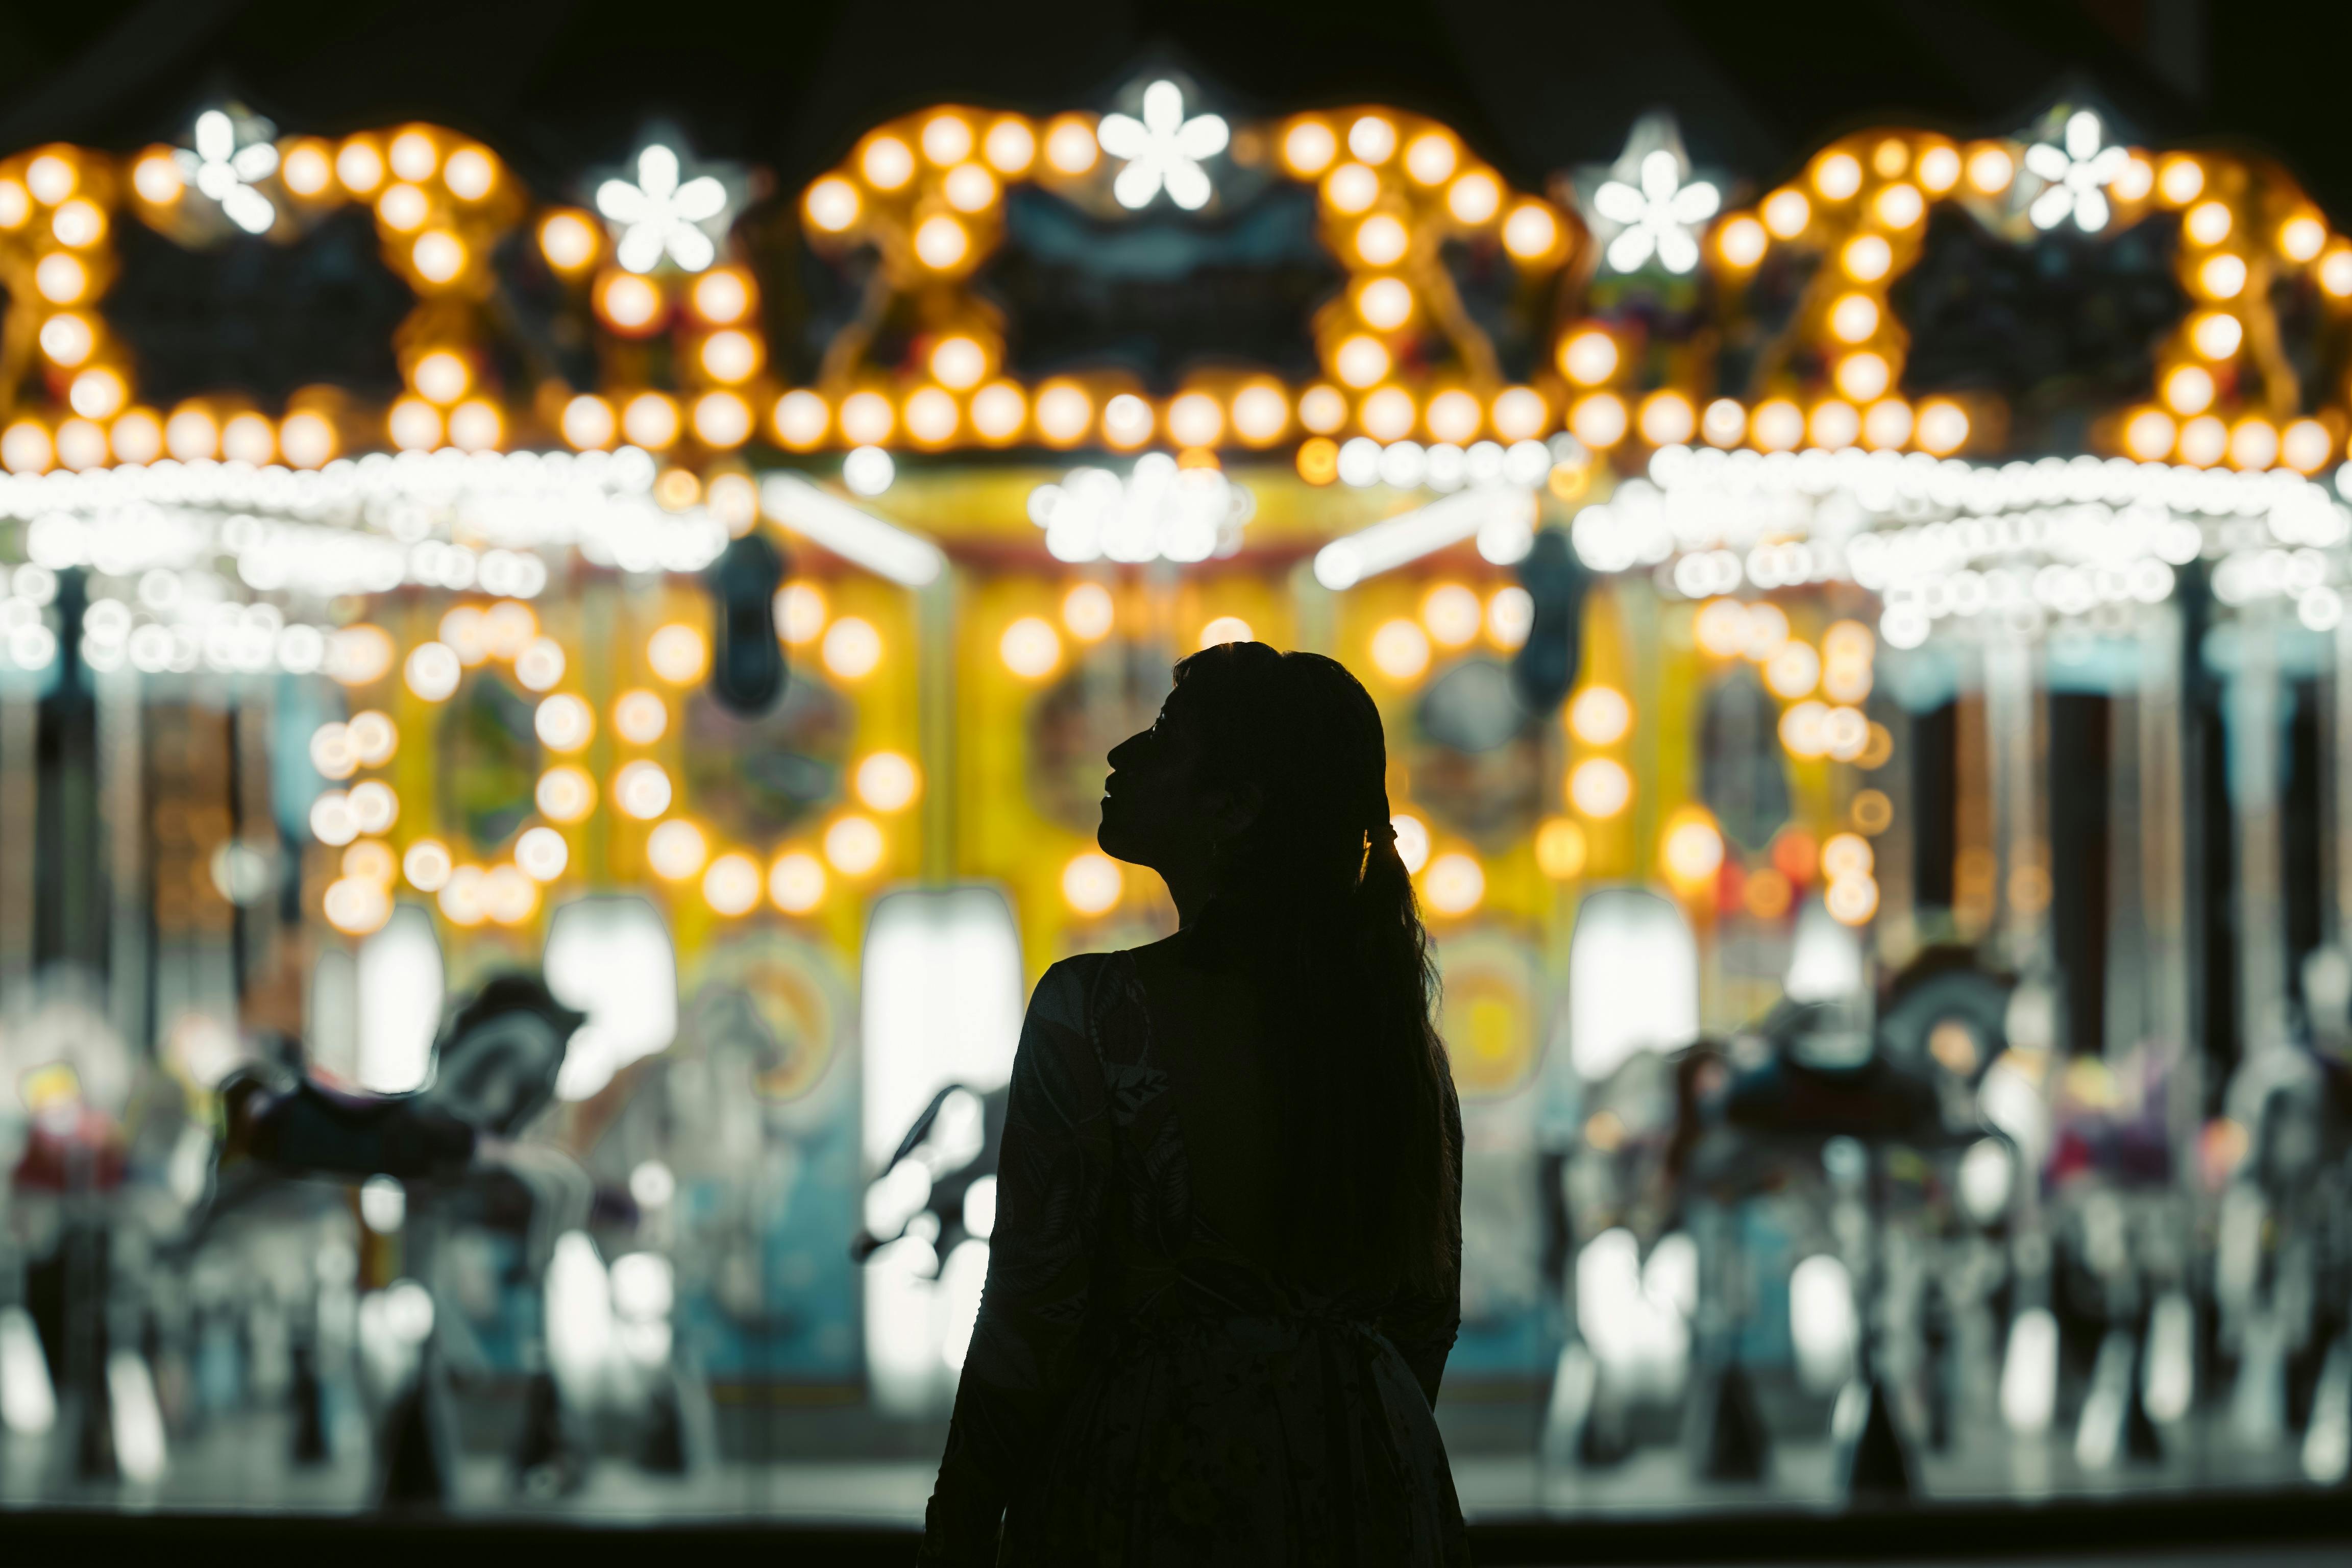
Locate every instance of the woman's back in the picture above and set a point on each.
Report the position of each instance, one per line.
(1148, 1382)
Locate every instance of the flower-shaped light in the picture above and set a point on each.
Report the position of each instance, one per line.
(229, 156)
(661, 214)
(1158, 512)
(2075, 175)
(1163, 150)
(1648, 205)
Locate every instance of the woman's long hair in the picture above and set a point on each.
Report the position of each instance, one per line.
(1314, 902)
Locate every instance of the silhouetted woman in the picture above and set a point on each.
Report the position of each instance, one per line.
(1226, 1268)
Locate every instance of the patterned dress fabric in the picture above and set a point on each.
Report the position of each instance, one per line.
(1138, 1392)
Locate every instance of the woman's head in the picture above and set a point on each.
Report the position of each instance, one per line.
(1261, 796)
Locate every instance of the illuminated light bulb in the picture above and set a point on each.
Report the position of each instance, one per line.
(1786, 214)
(2149, 436)
(469, 174)
(1837, 176)
(1724, 423)
(1866, 258)
(1453, 884)
(79, 224)
(678, 652)
(1451, 614)
(330, 752)
(374, 806)
(941, 242)
(1226, 629)
(731, 885)
(542, 854)
(1388, 415)
(1853, 900)
(868, 418)
(565, 793)
(801, 420)
(796, 882)
(432, 671)
(403, 208)
(947, 139)
(1381, 241)
(1030, 648)
(2188, 389)
(309, 440)
(1455, 416)
(2180, 180)
(887, 164)
(676, 850)
(360, 655)
(1009, 145)
(2133, 181)
(441, 376)
(359, 166)
(1886, 425)
(1560, 849)
(1385, 303)
(191, 434)
(1854, 318)
(1873, 811)
(1531, 233)
(1411, 840)
(331, 819)
(1307, 148)
(853, 846)
(800, 613)
(461, 896)
(1261, 414)
(564, 722)
(650, 419)
(81, 443)
(1588, 357)
(1092, 883)
(1939, 169)
(959, 362)
(832, 204)
(1065, 413)
(356, 906)
(2301, 237)
(1899, 206)
(1600, 716)
(1793, 670)
(1070, 145)
(371, 738)
(1510, 617)
(731, 356)
(639, 717)
(61, 279)
(931, 416)
(2307, 446)
(1768, 628)
(138, 438)
(1475, 198)
(1846, 682)
(1361, 361)
(1598, 420)
(461, 628)
(413, 156)
(426, 865)
(852, 647)
(2253, 443)
(628, 303)
(1776, 425)
(157, 181)
(1668, 419)
(1804, 729)
(969, 188)
(2216, 334)
(1400, 650)
(1862, 377)
(1599, 787)
(507, 895)
(722, 421)
(642, 790)
(1196, 419)
(2208, 223)
(1943, 427)
(2222, 277)
(1690, 851)
(1742, 242)
(1372, 138)
(1429, 158)
(1126, 421)
(52, 178)
(439, 256)
(100, 393)
(888, 782)
(1087, 612)
(2202, 442)
(1991, 169)
(1845, 732)
(589, 423)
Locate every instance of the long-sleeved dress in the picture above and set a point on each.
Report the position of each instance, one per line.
(1137, 1390)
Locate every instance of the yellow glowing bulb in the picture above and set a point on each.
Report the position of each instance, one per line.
(1691, 849)
(2188, 389)
(959, 362)
(1429, 158)
(1380, 240)
(1943, 427)
(542, 854)
(640, 717)
(426, 865)
(1599, 420)
(941, 242)
(2216, 334)
(2208, 223)
(731, 356)
(969, 188)
(1473, 198)
(2222, 277)
(1599, 787)
(1030, 648)
(1599, 715)
(1866, 258)
(1092, 883)
(627, 302)
(887, 164)
(1361, 361)
(852, 647)
(642, 790)
(1308, 147)
(1009, 146)
(796, 882)
(1787, 212)
(356, 905)
(1453, 884)
(800, 613)
(1451, 614)
(678, 652)
(1089, 612)
(676, 850)
(589, 423)
(61, 279)
(832, 203)
(564, 722)
(1742, 242)
(1385, 303)
(1531, 232)
(1668, 419)
(2148, 434)
(1793, 670)
(853, 845)
(1070, 145)
(1561, 848)
(1400, 650)
(1854, 318)
(1352, 189)
(887, 781)
(1837, 176)
(1226, 629)
(731, 885)
(1588, 357)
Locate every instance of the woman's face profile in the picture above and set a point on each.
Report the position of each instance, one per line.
(1151, 808)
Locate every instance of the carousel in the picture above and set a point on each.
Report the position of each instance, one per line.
(1861, 660)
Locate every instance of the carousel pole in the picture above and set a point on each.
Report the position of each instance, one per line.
(935, 622)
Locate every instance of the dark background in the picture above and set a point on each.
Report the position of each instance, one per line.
(558, 85)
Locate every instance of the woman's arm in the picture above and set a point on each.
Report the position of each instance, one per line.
(1050, 1179)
